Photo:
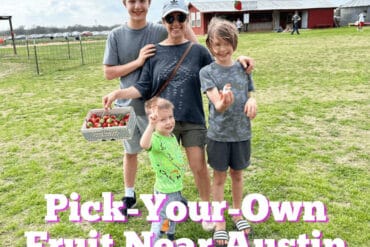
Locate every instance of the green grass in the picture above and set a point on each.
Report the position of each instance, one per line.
(310, 141)
(49, 56)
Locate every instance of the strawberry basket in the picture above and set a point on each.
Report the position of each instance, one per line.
(115, 124)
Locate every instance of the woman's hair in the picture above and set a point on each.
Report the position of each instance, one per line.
(222, 29)
(157, 103)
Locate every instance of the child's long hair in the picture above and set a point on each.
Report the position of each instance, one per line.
(222, 29)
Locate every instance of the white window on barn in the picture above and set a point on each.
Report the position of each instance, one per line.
(192, 19)
(195, 19)
(198, 19)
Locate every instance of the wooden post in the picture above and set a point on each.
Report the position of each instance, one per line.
(9, 17)
(12, 34)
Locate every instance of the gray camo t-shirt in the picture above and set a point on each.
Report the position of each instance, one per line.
(232, 125)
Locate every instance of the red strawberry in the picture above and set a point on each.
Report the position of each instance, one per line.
(238, 5)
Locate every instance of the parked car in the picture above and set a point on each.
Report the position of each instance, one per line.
(19, 37)
(66, 35)
(76, 35)
(58, 35)
(86, 33)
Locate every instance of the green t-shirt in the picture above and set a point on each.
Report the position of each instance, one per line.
(168, 163)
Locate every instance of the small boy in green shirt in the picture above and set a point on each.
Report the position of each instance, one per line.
(165, 156)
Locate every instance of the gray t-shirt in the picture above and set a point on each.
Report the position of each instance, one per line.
(232, 125)
(184, 89)
(123, 46)
(296, 19)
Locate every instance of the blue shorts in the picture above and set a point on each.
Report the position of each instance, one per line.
(222, 155)
(157, 225)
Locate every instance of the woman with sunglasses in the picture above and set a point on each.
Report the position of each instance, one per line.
(183, 91)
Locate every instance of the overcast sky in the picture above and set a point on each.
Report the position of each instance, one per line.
(63, 13)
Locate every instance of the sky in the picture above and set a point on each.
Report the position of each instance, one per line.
(63, 13)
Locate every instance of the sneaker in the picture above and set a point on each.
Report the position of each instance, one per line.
(130, 202)
(208, 226)
(165, 226)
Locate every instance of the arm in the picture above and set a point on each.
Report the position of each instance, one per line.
(247, 62)
(115, 71)
(146, 138)
(250, 108)
(222, 100)
(126, 93)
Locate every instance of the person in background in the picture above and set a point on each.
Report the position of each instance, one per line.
(231, 108)
(361, 20)
(127, 48)
(239, 25)
(166, 159)
(296, 18)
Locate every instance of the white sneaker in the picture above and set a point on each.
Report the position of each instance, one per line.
(208, 226)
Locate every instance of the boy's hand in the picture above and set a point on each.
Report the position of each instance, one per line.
(146, 52)
(250, 108)
(226, 97)
(247, 63)
(153, 118)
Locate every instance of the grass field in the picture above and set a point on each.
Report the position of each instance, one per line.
(310, 142)
(44, 57)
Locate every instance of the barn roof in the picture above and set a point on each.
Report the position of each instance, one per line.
(228, 6)
(339, 2)
(356, 3)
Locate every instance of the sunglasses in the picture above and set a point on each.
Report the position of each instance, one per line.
(171, 18)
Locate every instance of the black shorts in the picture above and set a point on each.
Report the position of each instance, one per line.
(222, 155)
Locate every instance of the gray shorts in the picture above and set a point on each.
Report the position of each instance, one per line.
(190, 135)
(222, 155)
(132, 146)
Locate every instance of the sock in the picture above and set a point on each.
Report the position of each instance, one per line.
(129, 191)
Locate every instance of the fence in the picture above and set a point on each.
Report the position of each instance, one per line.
(44, 55)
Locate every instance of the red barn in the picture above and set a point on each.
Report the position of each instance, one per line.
(263, 14)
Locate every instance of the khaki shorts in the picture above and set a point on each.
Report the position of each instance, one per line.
(190, 135)
(132, 146)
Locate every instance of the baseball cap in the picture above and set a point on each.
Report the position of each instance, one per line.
(174, 6)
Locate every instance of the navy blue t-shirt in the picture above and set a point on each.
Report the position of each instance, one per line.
(184, 89)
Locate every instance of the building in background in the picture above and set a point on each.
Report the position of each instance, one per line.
(348, 12)
(264, 14)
